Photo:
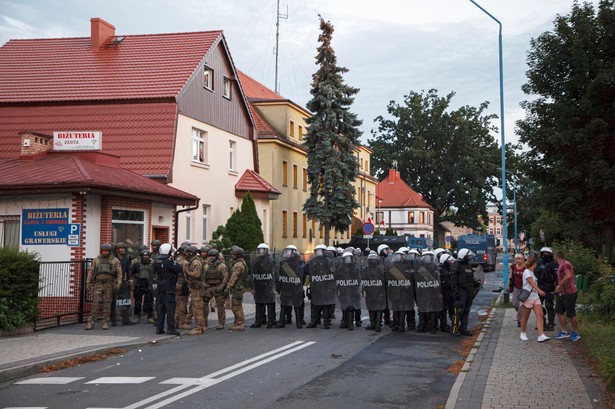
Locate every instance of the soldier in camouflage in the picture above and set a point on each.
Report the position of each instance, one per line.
(216, 278)
(236, 285)
(194, 273)
(105, 273)
(181, 289)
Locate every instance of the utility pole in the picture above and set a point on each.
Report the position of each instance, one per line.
(277, 42)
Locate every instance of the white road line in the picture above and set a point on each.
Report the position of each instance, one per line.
(51, 380)
(26, 407)
(225, 377)
(122, 379)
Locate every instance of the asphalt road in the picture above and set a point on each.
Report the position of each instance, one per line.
(262, 368)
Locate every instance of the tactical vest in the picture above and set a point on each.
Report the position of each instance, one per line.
(144, 271)
(105, 267)
(466, 278)
(241, 280)
(213, 276)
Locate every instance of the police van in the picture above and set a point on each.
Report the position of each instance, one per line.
(482, 246)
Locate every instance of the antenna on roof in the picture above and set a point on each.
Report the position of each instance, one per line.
(277, 39)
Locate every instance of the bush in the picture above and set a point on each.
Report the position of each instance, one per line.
(390, 232)
(599, 300)
(19, 282)
(583, 259)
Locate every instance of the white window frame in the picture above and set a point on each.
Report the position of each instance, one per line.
(205, 231)
(143, 223)
(10, 218)
(199, 141)
(208, 78)
(232, 155)
(188, 227)
(226, 85)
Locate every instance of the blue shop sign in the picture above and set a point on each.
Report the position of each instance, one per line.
(44, 227)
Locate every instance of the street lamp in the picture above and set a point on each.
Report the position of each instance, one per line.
(504, 227)
(514, 210)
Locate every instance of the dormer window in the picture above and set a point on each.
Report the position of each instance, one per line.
(208, 78)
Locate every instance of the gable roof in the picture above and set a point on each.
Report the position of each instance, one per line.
(67, 69)
(255, 90)
(253, 182)
(394, 192)
(88, 171)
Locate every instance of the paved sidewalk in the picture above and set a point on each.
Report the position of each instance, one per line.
(24, 355)
(507, 373)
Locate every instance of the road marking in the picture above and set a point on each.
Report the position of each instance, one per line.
(26, 407)
(122, 379)
(57, 380)
(198, 384)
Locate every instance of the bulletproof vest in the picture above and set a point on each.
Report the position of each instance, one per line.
(241, 280)
(445, 277)
(212, 275)
(191, 263)
(466, 278)
(144, 271)
(105, 267)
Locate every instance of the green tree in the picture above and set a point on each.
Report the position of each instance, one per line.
(448, 156)
(250, 233)
(570, 122)
(332, 135)
(220, 240)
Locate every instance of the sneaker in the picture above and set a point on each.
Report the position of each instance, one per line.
(543, 338)
(575, 336)
(562, 335)
(523, 336)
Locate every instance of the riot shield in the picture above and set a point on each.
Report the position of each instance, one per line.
(263, 279)
(348, 282)
(400, 288)
(427, 287)
(290, 280)
(479, 278)
(373, 284)
(322, 281)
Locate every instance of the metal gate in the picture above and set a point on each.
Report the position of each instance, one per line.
(62, 297)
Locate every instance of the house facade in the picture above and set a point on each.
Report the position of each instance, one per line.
(403, 209)
(170, 106)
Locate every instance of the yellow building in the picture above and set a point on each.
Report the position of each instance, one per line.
(281, 126)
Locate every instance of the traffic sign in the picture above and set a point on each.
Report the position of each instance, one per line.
(448, 239)
(368, 228)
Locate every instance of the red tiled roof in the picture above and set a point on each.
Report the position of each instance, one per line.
(67, 69)
(394, 192)
(263, 129)
(255, 90)
(142, 134)
(58, 172)
(253, 182)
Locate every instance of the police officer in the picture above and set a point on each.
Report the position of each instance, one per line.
(448, 301)
(141, 274)
(236, 286)
(263, 287)
(322, 287)
(290, 278)
(124, 291)
(105, 273)
(383, 252)
(463, 286)
(216, 279)
(165, 273)
(546, 275)
(195, 274)
(181, 288)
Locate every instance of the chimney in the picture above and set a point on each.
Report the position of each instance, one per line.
(101, 31)
(392, 174)
(33, 143)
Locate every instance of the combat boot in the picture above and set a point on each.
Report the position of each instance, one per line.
(196, 331)
(105, 324)
(372, 321)
(136, 319)
(220, 326)
(378, 321)
(298, 318)
(357, 318)
(401, 326)
(350, 318)
(151, 321)
(90, 325)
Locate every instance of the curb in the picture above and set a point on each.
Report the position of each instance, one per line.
(454, 394)
(21, 371)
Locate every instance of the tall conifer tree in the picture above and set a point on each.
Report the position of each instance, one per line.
(332, 135)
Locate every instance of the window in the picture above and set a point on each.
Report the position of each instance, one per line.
(410, 217)
(498, 231)
(205, 222)
(366, 166)
(300, 133)
(291, 131)
(380, 217)
(422, 217)
(305, 179)
(295, 221)
(295, 171)
(188, 227)
(321, 229)
(361, 163)
(499, 219)
(232, 155)
(304, 226)
(199, 146)
(284, 173)
(127, 224)
(284, 223)
(9, 231)
(208, 78)
(226, 82)
(490, 230)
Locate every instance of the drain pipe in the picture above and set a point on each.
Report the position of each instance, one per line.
(177, 212)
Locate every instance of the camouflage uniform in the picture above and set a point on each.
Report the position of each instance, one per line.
(216, 278)
(105, 273)
(194, 272)
(235, 288)
(182, 291)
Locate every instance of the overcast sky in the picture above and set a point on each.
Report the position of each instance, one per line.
(391, 47)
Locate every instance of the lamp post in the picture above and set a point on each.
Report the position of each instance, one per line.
(504, 227)
(515, 210)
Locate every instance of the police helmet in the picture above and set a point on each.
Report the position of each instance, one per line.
(465, 254)
(446, 258)
(237, 252)
(106, 247)
(382, 247)
(428, 257)
(339, 250)
(145, 253)
(404, 249)
(438, 251)
(289, 251)
(213, 253)
(165, 249)
(331, 249)
(546, 250)
(372, 256)
(399, 255)
(262, 249)
(320, 249)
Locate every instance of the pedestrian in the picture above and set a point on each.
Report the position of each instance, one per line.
(165, 273)
(532, 302)
(236, 286)
(105, 273)
(515, 283)
(567, 299)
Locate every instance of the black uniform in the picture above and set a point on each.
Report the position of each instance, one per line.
(448, 300)
(141, 274)
(546, 275)
(165, 275)
(463, 286)
(123, 294)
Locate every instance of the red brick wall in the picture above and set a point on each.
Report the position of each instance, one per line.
(107, 205)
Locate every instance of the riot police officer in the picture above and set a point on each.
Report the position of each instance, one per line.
(290, 277)
(121, 297)
(105, 273)
(463, 286)
(263, 287)
(322, 286)
(165, 273)
(448, 301)
(236, 286)
(348, 280)
(373, 288)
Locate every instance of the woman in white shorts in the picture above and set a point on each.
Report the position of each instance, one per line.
(532, 302)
